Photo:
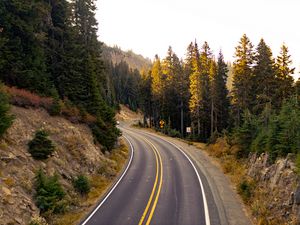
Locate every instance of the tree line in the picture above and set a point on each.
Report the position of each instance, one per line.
(50, 47)
(264, 100)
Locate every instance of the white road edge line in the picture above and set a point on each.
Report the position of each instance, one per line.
(206, 212)
(110, 192)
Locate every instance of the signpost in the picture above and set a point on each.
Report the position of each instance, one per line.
(188, 130)
(161, 124)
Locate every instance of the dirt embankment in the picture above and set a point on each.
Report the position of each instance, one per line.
(75, 153)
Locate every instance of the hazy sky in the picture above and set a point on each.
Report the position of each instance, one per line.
(148, 27)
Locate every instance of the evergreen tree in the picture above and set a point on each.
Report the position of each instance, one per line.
(146, 98)
(182, 87)
(58, 38)
(205, 99)
(284, 75)
(264, 78)
(195, 93)
(41, 147)
(243, 96)
(170, 109)
(49, 193)
(219, 95)
(158, 88)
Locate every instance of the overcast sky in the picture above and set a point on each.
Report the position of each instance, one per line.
(148, 27)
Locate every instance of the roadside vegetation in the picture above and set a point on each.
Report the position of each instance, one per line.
(41, 147)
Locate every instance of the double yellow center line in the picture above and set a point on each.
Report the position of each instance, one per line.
(155, 190)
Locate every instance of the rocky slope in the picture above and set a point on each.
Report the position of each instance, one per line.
(75, 153)
(276, 198)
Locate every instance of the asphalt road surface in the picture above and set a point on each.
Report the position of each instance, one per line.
(160, 185)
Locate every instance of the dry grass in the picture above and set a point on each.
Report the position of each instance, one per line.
(200, 145)
(3, 145)
(69, 218)
(226, 156)
(10, 182)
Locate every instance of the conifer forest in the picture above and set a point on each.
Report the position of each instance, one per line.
(51, 48)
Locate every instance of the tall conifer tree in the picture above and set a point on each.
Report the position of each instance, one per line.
(284, 75)
(242, 91)
(195, 92)
(264, 77)
(219, 95)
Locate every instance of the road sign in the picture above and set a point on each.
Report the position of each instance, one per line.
(188, 130)
(161, 123)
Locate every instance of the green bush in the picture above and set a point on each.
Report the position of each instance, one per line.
(55, 108)
(246, 133)
(245, 189)
(82, 184)
(5, 119)
(173, 133)
(105, 133)
(40, 147)
(49, 193)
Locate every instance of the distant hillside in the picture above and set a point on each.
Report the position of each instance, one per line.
(116, 55)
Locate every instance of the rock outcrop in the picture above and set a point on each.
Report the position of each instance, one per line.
(277, 188)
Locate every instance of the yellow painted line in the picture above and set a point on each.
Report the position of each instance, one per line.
(153, 190)
(158, 162)
(159, 188)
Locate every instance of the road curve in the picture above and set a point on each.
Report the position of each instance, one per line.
(161, 186)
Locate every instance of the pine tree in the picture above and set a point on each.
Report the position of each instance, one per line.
(158, 89)
(243, 79)
(170, 108)
(58, 38)
(264, 77)
(205, 100)
(195, 92)
(182, 87)
(284, 75)
(146, 98)
(219, 95)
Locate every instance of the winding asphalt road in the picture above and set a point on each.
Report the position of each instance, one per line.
(161, 185)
